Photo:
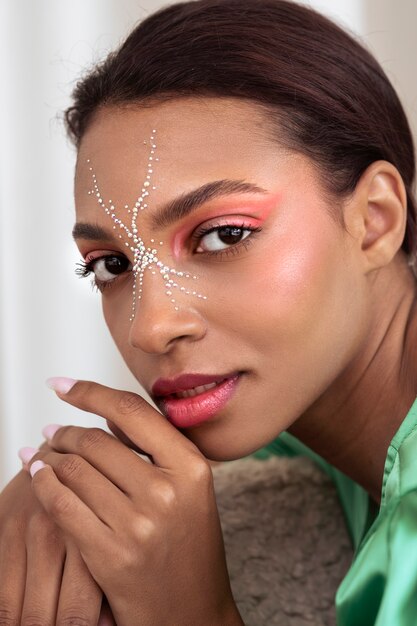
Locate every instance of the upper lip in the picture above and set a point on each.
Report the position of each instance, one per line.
(165, 386)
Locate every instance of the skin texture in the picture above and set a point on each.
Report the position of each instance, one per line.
(43, 579)
(301, 308)
(325, 333)
(145, 550)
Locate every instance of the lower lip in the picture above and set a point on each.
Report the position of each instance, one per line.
(185, 412)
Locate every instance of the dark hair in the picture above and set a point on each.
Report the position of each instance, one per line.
(329, 97)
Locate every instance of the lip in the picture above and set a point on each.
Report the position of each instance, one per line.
(165, 386)
(186, 412)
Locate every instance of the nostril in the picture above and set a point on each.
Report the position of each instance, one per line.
(179, 338)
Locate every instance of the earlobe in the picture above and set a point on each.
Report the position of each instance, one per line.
(378, 212)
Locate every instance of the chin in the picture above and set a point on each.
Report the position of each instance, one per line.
(219, 447)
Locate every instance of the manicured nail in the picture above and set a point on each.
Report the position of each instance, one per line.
(26, 454)
(35, 467)
(49, 431)
(60, 384)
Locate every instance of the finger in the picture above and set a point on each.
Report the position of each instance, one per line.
(69, 512)
(86, 482)
(119, 434)
(80, 597)
(26, 455)
(140, 422)
(105, 453)
(45, 561)
(12, 574)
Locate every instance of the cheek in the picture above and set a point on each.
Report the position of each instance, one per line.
(316, 306)
(298, 277)
(297, 292)
(117, 320)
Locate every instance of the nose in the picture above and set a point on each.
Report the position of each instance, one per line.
(159, 325)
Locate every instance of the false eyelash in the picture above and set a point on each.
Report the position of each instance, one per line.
(83, 269)
(232, 250)
(200, 232)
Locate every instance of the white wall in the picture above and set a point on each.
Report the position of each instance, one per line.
(50, 322)
(390, 30)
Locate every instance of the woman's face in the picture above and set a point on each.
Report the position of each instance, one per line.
(280, 312)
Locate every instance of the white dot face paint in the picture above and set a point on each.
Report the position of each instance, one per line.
(145, 258)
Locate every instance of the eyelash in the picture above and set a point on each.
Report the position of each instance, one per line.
(232, 249)
(84, 268)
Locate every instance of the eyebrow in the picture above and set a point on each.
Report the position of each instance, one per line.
(92, 232)
(176, 209)
(182, 206)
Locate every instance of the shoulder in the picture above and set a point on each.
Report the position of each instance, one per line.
(382, 581)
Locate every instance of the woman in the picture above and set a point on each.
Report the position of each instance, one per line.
(244, 202)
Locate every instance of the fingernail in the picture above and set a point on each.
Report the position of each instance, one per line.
(60, 383)
(49, 431)
(26, 454)
(35, 467)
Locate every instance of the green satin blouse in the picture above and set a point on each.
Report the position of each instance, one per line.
(380, 588)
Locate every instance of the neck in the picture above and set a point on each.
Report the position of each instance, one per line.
(351, 425)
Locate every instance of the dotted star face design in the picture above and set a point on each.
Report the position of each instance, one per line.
(145, 258)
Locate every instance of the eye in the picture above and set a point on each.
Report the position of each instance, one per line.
(106, 269)
(222, 237)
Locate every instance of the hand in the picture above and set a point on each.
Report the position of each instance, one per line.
(43, 579)
(149, 533)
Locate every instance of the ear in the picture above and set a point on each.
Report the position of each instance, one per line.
(376, 214)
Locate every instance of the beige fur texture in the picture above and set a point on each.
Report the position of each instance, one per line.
(286, 542)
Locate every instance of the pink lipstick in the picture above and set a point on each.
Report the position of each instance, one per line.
(192, 399)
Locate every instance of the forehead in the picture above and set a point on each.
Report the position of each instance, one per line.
(182, 120)
(196, 139)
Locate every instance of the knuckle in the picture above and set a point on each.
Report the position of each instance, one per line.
(130, 403)
(34, 619)
(167, 495)
(61, 506)
(7, 616)
(39, 520)
(126, 562)
(91, 438)
(128, 558)
(119, 554)
(200, 471)
(62, 432)
(69, 466)
(144, 531)
(85, 391)
(73, 618)
(42, 529)
(13, 530)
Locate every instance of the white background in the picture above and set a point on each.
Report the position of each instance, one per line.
(50, 322)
